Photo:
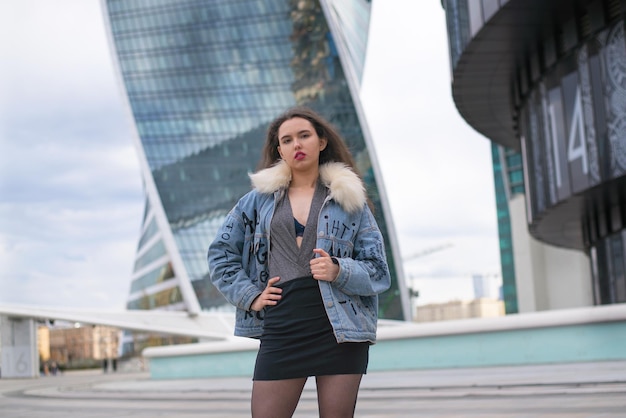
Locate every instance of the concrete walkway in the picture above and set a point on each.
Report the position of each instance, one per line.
(566, 390)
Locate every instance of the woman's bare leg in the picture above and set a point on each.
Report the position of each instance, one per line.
(336, 395)
(276, 398)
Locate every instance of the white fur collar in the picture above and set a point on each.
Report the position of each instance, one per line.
(346, 188)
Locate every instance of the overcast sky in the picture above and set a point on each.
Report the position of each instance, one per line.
(71, 198)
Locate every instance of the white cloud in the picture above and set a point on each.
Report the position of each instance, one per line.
(70, 188)
(71, 257)
(55, 48)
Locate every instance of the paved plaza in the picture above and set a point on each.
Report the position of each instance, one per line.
(576, 390)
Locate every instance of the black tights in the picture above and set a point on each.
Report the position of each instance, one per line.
(336, 396)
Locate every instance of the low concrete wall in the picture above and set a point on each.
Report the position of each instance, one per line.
(572, 335)
(593, 342)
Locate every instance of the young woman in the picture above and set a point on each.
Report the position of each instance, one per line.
(303, 260)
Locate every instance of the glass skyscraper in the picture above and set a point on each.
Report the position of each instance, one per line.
(203, 79)
(508, 181)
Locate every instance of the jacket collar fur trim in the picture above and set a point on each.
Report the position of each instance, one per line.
(346, 188)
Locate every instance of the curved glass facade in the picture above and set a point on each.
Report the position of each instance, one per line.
(203, 81)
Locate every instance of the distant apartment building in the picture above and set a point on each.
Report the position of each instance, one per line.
(43, 342)
(460, 309)
(83, 345)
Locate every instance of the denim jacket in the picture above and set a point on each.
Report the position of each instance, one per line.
(238, 256)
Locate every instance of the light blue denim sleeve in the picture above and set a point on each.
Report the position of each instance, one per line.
(366, 273)
(226, 262)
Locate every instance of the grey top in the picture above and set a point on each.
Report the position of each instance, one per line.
(287, 260)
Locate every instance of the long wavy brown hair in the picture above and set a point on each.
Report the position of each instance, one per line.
(336, 150)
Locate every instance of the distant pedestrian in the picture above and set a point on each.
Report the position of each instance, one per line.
(310, 292)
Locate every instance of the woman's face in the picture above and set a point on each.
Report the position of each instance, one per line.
(299, 145)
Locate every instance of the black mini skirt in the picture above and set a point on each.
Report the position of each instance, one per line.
(298, 340)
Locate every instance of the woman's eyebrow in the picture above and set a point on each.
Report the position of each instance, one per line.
(298, 133)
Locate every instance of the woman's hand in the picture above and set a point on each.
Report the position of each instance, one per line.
(269, 297)
(322, 267)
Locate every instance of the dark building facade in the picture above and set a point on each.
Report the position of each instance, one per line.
(546, 79)
(203, 80)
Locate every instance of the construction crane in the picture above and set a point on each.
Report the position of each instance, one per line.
(413, 293)
(427, 251)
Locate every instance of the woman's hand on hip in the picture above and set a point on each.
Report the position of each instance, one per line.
(269, 297)
(323, 267)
